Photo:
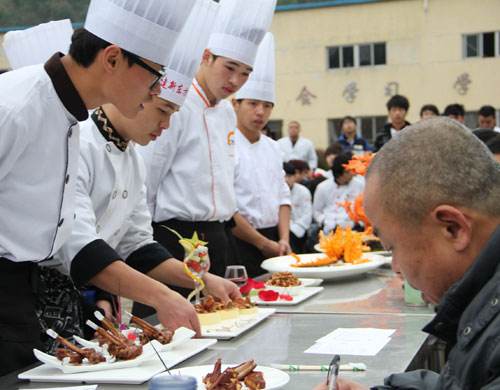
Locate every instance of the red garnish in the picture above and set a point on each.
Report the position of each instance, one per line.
(131, 336)
(268, 295)
(250, 285)
(193, 265)
(286, 297)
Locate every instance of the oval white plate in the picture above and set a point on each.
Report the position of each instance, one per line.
(181, 336)
(274, 378)
(283, 264)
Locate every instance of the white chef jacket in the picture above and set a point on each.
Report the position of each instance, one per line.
(38, 160)
(302, 150)
(259, 181)
(327, 197)
(112, 216)
(301, 217)
(190, 167)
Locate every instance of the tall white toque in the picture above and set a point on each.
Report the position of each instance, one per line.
(240, 28)
(147, 28)
(184, 60)
(261, 83)
(37, 44)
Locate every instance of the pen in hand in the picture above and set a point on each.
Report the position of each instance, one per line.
(333, 372)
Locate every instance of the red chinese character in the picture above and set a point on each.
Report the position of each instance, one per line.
(172, 85)
(163, 82)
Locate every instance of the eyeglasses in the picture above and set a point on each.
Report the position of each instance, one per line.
(136, 60)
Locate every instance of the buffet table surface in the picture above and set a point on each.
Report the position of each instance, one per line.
(374, 300)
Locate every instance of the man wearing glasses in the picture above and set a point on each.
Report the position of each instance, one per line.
(40, 107)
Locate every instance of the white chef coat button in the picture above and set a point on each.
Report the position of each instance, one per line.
(467, 331)
(74, 216)
(98, 228)
(115, 193)
(61, 222)
(125, 194)
(67, 179)
(108, 148)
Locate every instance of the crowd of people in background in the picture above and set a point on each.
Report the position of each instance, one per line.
(318, 189)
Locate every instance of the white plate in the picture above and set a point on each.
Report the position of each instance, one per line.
(181, 335)
(306, 293)
(307, 282)
(132, 375)
(229, 330)
(147, 353)
(274, 378)
(283, 264)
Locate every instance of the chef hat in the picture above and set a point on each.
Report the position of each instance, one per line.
(240, 27)
(37, 44)
(147, 28)
(260, 84)
(185, 58)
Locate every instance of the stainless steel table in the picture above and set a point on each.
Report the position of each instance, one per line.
(284, 337)
(377, 292)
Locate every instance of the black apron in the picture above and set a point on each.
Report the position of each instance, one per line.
(221, 248)
(19, 327)
(250, 256)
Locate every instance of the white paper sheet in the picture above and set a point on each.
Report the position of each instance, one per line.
(352, 341)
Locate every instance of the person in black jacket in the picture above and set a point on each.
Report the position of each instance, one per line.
(439, 212)
(397, 109)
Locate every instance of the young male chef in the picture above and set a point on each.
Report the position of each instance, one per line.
(113, 221)
(115, 58)
(262, 195)
(190, 169)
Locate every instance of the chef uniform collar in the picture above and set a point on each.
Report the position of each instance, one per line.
(65, 89)
(107, 129)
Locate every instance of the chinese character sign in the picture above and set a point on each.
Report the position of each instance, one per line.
(305, 96)
(350, 92)
(462, 84)
(391, 88)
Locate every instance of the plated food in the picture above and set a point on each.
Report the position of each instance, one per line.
(211, 311)
(232, 378)
(251, 377)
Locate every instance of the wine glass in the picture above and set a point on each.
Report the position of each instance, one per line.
(236, 274)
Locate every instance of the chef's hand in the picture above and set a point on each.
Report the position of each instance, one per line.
(270, 248)
(174, 311)
(284, 247)
(221, 288)
(105, 306)
(343, 384)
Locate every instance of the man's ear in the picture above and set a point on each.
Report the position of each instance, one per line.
(111, 58)
(454, 225)
(206, 57)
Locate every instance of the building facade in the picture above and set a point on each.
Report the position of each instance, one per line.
(338, 58)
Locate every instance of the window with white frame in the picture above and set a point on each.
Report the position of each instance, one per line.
(486, 44)
(354, 56)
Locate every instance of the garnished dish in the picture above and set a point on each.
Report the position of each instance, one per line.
(344, 246)
(233, 378)
(211, 311)
(71, 354)
(283, 279)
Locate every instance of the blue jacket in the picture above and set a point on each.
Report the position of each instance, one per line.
(347, 147)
